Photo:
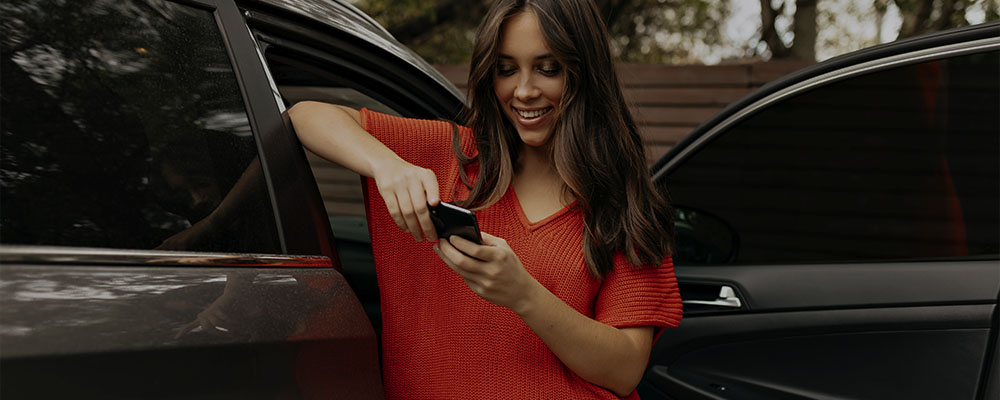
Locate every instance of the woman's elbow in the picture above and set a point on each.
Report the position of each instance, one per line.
(302, 110)
(626, 385)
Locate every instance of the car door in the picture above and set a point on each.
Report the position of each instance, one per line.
(837, 232)
(162, 236)
(362, 67)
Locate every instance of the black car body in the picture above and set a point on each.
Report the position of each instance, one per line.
(126, 124)
(838, 231)
(104, 135)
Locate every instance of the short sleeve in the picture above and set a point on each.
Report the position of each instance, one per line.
(633, 297)
(420, 142)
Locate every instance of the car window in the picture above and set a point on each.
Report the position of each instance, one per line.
(341, 189)
(892, 165)
(124, 126)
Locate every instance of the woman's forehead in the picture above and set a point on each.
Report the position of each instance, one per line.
(522, 38)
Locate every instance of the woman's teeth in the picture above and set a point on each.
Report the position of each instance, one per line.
(532, 114)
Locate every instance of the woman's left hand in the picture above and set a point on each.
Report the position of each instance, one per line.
(491, 270)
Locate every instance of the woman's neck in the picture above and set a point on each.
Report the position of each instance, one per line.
(535, 171)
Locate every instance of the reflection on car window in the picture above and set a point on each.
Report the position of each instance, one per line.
(341, 188)
(123, 127)
(897, 164)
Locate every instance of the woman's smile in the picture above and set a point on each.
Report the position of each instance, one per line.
(532, 117)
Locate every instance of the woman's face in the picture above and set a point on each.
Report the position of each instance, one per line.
(529, 82)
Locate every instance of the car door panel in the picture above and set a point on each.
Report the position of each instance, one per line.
(904, 352)
(129, 324)
(833, 331)
(825, 286)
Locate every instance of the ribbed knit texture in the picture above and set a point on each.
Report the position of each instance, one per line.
(440, 340)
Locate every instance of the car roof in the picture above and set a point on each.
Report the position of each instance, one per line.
(345, 17)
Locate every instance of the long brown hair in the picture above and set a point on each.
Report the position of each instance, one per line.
(596, 146)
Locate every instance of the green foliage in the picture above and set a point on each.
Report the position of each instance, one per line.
(681, 31)
(442, 31)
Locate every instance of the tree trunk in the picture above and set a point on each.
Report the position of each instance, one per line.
(915, 16)
(804, 46)
(768, 33)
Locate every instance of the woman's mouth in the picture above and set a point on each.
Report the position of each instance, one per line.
(529, 118)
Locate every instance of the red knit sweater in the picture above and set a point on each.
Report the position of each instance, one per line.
(440, 340)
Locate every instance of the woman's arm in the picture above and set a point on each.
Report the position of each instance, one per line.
(613, 358)
(335, 133)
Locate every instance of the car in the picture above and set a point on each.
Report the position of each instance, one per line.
(127, 268)
(836, 237)
(838, 232)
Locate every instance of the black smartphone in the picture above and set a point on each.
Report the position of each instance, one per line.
(450, 219)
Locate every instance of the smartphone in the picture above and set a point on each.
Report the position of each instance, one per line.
(450, 219)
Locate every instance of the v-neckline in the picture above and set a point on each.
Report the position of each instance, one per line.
(530, 226)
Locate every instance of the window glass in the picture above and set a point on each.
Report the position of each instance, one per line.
(123, 126)
(897, 164)
(341, 189)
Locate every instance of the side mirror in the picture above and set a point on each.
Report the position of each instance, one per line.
(703, 238)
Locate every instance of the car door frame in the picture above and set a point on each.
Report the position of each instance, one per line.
(299, 230)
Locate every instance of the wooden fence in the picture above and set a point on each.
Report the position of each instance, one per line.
(667, 101)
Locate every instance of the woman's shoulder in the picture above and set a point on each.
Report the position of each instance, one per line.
(388, 127)
(374, 119)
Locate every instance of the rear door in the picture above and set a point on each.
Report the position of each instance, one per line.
(356, 69)
(839, 238)
(157, 241)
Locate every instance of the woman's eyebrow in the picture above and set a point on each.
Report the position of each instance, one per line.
(541, 57)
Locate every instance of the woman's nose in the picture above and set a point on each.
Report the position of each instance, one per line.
(526, 90)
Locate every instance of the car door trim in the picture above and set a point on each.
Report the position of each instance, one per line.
(913, 57)
(58, 255)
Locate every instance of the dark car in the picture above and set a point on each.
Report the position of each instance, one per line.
(165, 237)
(162, 232)
(838, 232)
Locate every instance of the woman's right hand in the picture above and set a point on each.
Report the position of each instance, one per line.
(407, 189)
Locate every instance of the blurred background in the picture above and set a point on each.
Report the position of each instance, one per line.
(700, 31)
(682, 61)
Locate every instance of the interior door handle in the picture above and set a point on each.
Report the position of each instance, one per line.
(727, 298)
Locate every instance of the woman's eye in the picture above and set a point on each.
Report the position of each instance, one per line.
(505, 70)
(550, 69)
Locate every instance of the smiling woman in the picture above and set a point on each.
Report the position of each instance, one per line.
(574, 280)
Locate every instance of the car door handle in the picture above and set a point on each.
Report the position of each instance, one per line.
(727, 298)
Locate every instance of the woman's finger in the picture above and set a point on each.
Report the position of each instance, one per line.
(393, 207)
(431, 187)
(469, 248)
(409, 218)
(419, 199)
(469, 267)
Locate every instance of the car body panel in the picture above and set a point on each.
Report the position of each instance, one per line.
(111, 323)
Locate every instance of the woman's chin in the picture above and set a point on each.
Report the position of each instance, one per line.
(534, 141)
(535, 138)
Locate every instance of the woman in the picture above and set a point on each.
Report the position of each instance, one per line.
(573, 281)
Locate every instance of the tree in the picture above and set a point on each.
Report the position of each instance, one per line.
(641, 30)
(798, 39)
(924, 16)
(692, 31)
(803, 46)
